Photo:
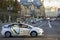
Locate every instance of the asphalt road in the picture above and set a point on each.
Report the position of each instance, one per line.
(53, 30)
(51, 33)
(28, 39)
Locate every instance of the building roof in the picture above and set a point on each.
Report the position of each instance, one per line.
(26, 3)
(37, 3)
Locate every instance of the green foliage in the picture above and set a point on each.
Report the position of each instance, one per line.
(4, 4)
(3, 8)
(16, 6)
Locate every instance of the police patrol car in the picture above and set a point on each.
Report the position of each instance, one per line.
(21, 29)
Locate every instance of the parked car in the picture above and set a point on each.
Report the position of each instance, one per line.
(21, 29)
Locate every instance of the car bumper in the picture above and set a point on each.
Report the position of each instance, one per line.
(2, 33)
(41, 34)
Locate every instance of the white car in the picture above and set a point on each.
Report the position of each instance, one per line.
(16, 29)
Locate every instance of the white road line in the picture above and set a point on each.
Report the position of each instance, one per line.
(49, 24)
(42, 24)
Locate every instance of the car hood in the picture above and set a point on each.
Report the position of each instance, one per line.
(37, 28)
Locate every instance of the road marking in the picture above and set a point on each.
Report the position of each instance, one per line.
(42, 24)
(49, 24)
(41, 21)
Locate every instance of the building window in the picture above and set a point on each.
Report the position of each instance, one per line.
(53, 9)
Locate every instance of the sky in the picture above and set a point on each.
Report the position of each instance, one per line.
(29, 0)
(19, 0)
(52, 3)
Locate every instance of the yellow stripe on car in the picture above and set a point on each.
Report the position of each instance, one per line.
(13, 31)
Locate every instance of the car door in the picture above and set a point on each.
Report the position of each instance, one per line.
(15, 29)
(24, 30)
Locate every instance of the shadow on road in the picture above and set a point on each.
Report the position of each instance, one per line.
(24, 37)
(29, 38)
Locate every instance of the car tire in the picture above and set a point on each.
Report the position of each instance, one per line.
(7, 34)
(33, 34)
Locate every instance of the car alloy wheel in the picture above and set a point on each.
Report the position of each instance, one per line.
(34, 34)
(7, 34)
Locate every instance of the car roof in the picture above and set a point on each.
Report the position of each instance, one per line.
(25, 24)
(17, 23)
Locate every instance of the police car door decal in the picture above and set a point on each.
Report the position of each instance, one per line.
(25, 31)
(21, 31)
(15, 30)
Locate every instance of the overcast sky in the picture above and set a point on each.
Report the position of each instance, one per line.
(28, 0)
(52, 3)
(19, 0)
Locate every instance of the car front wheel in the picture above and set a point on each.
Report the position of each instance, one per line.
(33, 34)
(7, 34)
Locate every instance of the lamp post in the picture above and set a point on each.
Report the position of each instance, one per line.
(9, 8)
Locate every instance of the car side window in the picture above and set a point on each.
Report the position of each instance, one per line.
(12, 25)
(25, 26)
(29, 28)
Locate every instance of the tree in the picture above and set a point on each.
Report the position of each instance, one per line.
(16, 6)
(4, 4)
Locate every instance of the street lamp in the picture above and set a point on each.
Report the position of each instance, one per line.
(9, 8)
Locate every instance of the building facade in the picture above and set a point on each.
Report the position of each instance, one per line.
(36, 6)
(51, 7)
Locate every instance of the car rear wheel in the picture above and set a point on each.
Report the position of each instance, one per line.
(33, 34)
(7, 34)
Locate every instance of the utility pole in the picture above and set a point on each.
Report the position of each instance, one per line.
(9, 8)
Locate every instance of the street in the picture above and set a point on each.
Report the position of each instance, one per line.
(52, 33)
(54, 30)
(28, 39)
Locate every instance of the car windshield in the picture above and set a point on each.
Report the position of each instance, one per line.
(30, 26)
(26, 26)
(10, 25)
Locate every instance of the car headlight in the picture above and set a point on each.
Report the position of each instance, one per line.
(41, 30)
